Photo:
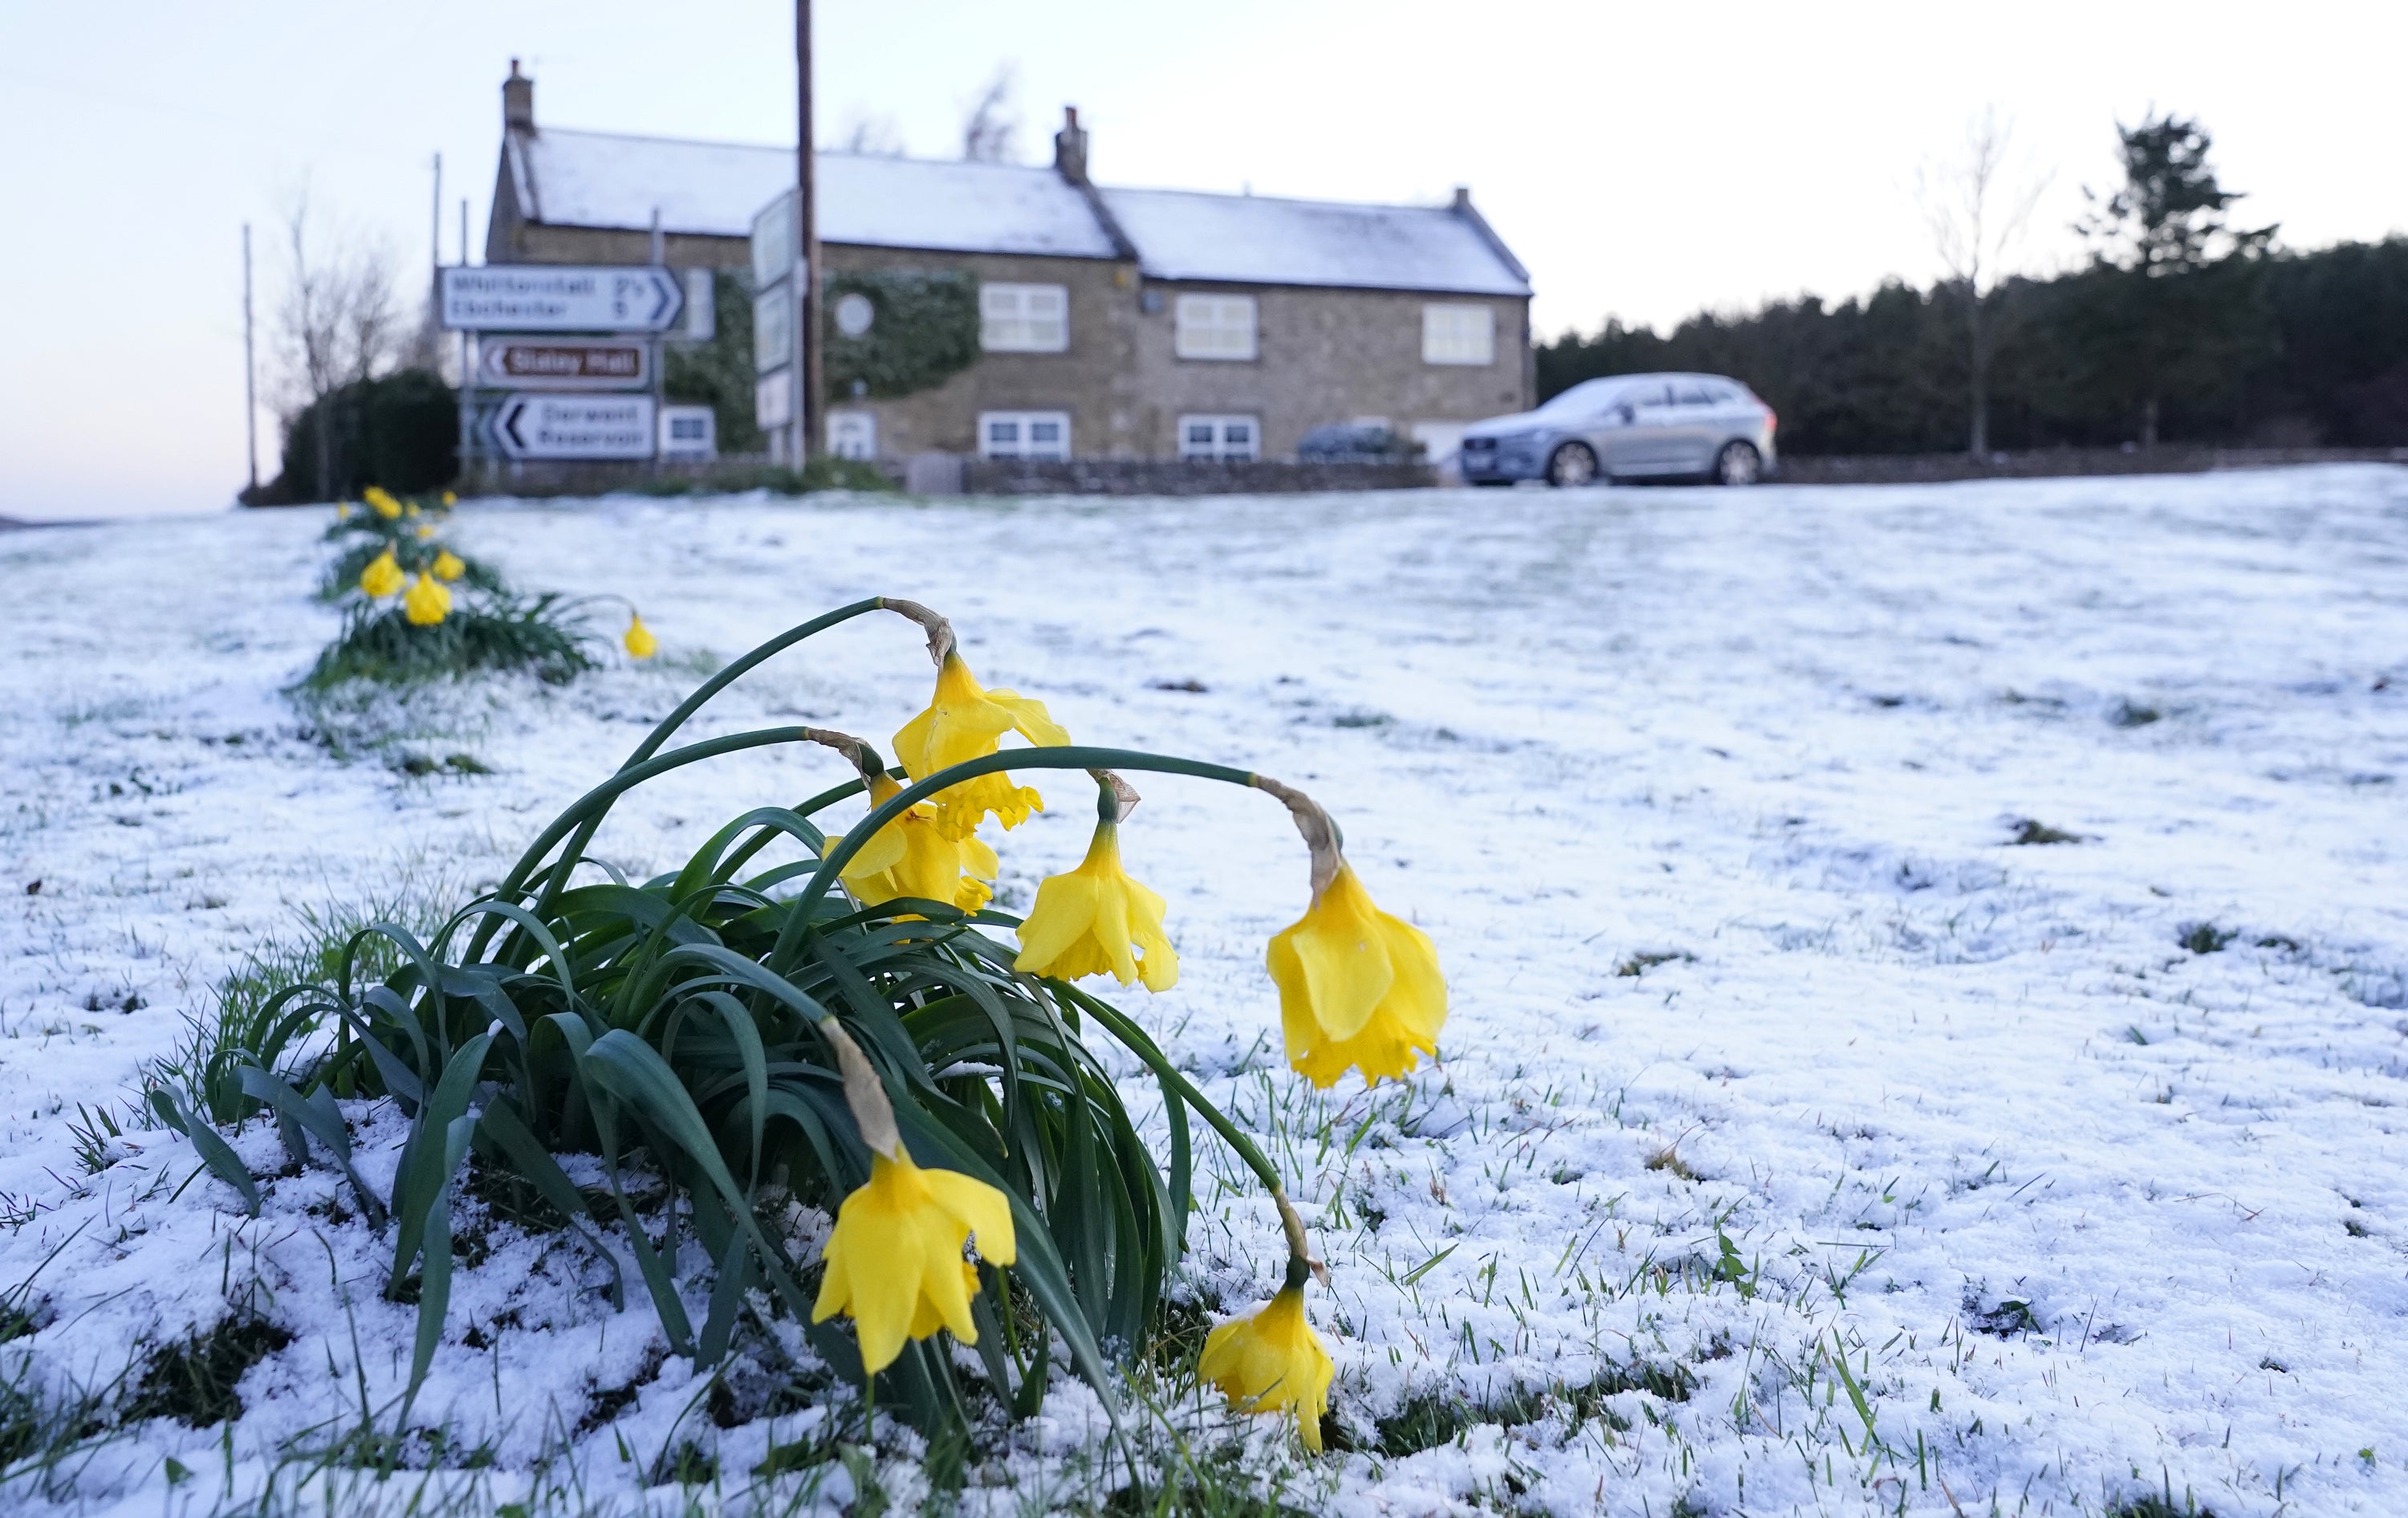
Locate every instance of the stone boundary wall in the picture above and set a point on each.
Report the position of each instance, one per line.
(1172, 477)
(2175, 458)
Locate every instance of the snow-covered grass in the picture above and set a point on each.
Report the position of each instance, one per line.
(1802, 1140)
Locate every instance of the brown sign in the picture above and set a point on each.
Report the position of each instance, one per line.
(524, 363)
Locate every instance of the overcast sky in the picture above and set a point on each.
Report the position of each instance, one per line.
(1644, 161)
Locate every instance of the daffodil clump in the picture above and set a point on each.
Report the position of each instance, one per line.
(802, 1020)
(417, 608)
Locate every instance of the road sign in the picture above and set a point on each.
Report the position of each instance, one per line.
(541, 427)
(556, 298)
(563, 363)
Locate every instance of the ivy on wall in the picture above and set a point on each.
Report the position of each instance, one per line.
(923, 330)
(719, 373)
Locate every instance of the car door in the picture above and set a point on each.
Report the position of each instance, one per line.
(1630, 438)
(1693, 427)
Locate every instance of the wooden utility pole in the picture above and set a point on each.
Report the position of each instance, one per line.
(249, 372)
(811, 407)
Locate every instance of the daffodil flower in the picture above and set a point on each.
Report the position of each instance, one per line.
(448, 566)
(1359, 989)
(381, 500)
(638, 640)
(449, 500)
(894, 1260)
(963, 722)
(427, 602)
(1095, 919)
(910, 856)
(425, 531)
(383, 577)
(1272, 1361)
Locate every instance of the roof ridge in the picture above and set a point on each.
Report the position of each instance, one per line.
(1277, 200)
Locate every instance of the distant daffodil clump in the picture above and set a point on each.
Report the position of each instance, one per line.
(802, 1023)
(418, 608)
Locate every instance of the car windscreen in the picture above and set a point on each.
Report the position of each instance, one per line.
(1585, 399)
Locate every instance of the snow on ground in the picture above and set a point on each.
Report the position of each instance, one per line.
(1707, 798)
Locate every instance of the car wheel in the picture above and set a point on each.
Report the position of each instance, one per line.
(1572, 465)
(1737, 463)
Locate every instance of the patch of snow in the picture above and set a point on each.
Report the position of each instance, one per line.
(1769, 1048)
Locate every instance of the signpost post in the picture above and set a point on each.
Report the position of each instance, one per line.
(611, 320)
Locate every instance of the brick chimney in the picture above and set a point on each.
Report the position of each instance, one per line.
(1070, 148)
(518, 100)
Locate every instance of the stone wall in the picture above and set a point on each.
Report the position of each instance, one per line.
(1173, 476)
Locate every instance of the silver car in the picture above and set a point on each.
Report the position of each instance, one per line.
(1628, 426)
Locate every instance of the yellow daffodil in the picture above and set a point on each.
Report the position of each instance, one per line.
(343, 510)
(894, 1261)
(963, 722)
(638, 640)
(448, 566)
(910, 856)
(381, 500)
(427, 602)
(1359, 989)
(425, 531)
(1272, 1361)
(383, 577)
(1087, 921)
(449, 500)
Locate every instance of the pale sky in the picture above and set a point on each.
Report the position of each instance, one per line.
(1644, 161)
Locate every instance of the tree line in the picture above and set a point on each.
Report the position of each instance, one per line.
(2181, 325)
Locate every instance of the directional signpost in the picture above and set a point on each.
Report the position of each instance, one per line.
(559, 297)
(566, 364)
(541, 427)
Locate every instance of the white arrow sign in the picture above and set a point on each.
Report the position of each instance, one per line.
(542, 427)
(553, 297)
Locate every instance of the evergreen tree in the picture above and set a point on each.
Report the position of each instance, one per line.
(2174, 305)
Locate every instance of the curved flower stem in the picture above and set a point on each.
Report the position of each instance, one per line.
(514, 884)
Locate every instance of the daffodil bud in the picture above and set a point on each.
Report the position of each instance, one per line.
(638, 640)
(427, 602)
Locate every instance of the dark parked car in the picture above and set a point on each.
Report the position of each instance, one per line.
(1628, 426)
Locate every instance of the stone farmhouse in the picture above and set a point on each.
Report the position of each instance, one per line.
(1115, 323)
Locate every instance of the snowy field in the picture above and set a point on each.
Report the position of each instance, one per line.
(1801, 1142)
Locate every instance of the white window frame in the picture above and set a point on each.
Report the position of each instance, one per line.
(1020, 445)
(853, 435)
(1220, 447)
(1459, 333)
(1025, 317)
(1218, 327)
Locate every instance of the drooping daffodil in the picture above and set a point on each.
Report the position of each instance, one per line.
(963, 722)
(449, 500)
(425, 531)
(448, 566)
(1359, 989)
(1095, 919)
(894, 1260)
(383, 577)
(428, 603)
(910, 856)
(1272, 1361)
(381, 501)
(638, 638)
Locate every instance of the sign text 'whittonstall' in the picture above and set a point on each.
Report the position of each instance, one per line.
(545, 297)
(539, 427)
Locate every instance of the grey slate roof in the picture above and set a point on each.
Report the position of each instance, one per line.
(606, 179)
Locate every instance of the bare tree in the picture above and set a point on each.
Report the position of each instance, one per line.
(872, 135)
(339, 322)
(1978, 204)
(991, 128)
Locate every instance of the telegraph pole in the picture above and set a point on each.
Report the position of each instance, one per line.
(811, 405)
(249, 372)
